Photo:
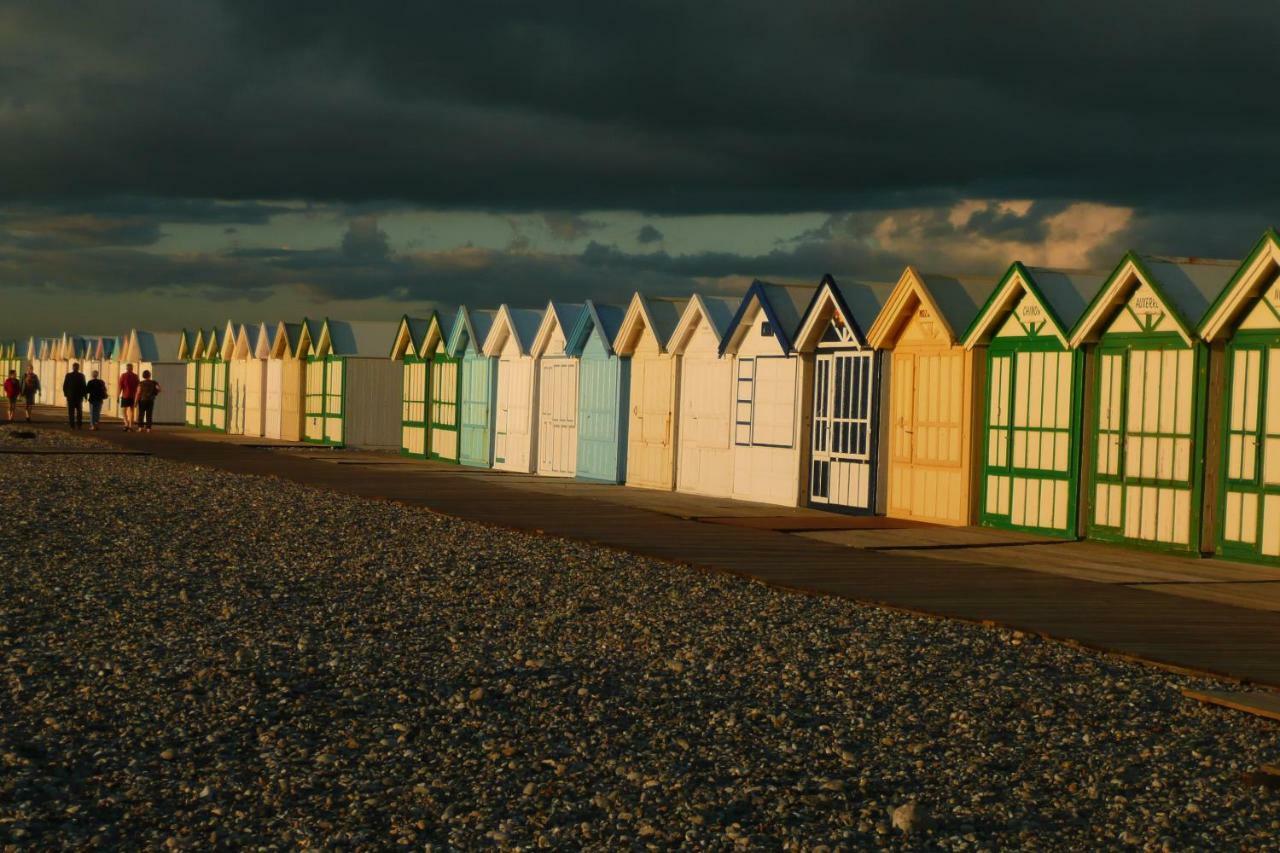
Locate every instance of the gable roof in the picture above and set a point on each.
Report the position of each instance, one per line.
(857, 302)
(594, 318)
(1250, 281)
(144, 345)
(436, 339)
(717, 311)
(266, 338)
(658, 314)
(410, 332)
(782, 304)
(520, 323)
(475, 325)
(1186, 286)
(1064, 295)
(953, 301)
(356, 339)
(558, 315)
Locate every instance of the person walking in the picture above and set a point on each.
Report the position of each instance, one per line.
(128, 394)
(12, 388)
(30, 388)
(96, 391)
(73, 388)
(148, 390)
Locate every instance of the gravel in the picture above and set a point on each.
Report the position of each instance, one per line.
(192, 659)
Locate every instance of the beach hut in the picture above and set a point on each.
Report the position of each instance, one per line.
(650, 404)
(109, 349)
(190, 347)
(158, 353)
(1031, 440)
(46, 366)
(556, 392)
(1147, 404)
(771, 403)
(704, 419)
(603, 393)
(444, 388)
(509, 344)
(1242, 327)
(211, 390)
(935, 396)
(479, 385)
(413, 384)
(285, 372)
(845, 466)
(353, 391)
(248, 380)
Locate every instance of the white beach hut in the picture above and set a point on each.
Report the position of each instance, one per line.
(285, 373)
(158, 353)
(704, 416)
(646, 328)
(514, 430)
(556, 391)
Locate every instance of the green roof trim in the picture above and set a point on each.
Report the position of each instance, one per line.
(1270, 236)
(1104, 293)
(1016, 269)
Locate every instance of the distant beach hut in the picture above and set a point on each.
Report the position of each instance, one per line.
(935, 396)
(353, 391)
(479, 385)
(770, 402)
(844, 469)
(603, 393)
(704, 419)
(211, 391)
(413, 385)
(1147, 406)
(286, 370)
(514, 428)
(444, 388)
(1030, 450)
(1243, 452)
(556, 391)
(46, 368)
(247, 401)
(158, 353)
(650, 403)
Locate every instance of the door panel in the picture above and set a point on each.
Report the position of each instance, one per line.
(842, 434)
(705, 465)
(557, 416)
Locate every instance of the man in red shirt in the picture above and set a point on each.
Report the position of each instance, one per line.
(12, 387)
(128, 393)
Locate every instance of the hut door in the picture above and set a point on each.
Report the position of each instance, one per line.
(204, 394)
(598, 409)
(999, 437)
(557, 416)
(652, 397)
(1251, 505)
(314, 400)
(333, 400)
(275, 381)
(192, 393)
(413, 408)
(842, 394)
(475, 409)
(511, 418)
(902, 400)
(444, 409)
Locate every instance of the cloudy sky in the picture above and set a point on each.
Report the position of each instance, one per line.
(175, 163)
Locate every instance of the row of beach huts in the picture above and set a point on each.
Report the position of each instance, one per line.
(1132, 406)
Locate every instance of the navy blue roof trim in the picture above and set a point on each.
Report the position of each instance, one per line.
(757, 290)
(829, 283)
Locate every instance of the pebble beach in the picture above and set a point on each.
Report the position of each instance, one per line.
(195, 659)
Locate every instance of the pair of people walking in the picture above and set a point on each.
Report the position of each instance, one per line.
(135, 393)
(24, 389)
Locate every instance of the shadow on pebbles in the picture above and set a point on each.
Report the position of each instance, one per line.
(194, 659)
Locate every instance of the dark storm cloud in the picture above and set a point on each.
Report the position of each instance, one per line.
(665, 106)
(648, 234)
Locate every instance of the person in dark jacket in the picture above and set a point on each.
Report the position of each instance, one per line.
(12, 388)
(96, 391)
(74, 389)
(30, 388)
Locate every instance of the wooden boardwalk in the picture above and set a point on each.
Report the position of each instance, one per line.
(751, 540)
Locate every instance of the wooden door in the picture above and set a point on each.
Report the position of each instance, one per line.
(313, 400)
(235, 397)
(192, 398)
(204, 395)
(477, 409)
(598, 414)
(413, 408)
(843, 434)
(1250, 505)
(273, 399)
(705, 430)
(512, 440)
(651, 433)
(334, 400)
(444, 391)
(255, 396)
(902, 431)
(557, 416)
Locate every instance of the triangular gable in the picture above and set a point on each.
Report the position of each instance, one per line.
(783, 307)
(600, 320)
(408, 339)
(470, 329)
(659, 316)
(948, 303)
(212, 346)
(841, 305)
(309, 335)
(716, 311)
(227, 343)
(1252, 284)
(265, 342)
(246, 342)
(1151, 294)
(186, 345)
(436, 337)
(559, 318)
(518, 324)
(1037, 301)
